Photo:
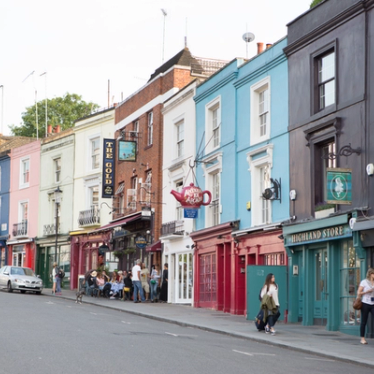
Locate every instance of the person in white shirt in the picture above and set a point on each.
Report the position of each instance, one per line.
(366, 292)
(271, 288)
(137, 283)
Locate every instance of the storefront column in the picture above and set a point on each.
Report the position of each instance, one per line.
(333, 314)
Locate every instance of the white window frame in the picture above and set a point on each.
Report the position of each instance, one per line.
(91, 191)
(136, 134)
(91, 154)
(256, 163)
(213, 125)
(258, 111)
(21, 204)
(57, 171)
(179, 210)
(150, 128)
(212, 167)
(22, 173)
(179, 138)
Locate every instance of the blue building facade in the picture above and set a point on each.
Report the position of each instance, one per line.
(242, 158)
(4, 206)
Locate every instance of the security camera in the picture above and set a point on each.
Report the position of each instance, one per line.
(293, 195)
(370, 169)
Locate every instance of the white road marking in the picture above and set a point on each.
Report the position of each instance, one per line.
(319, 359)
(254, 354)
(128, 323)
(169, 333)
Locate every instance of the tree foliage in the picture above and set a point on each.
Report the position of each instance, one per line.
(315, 2)
(61, 111)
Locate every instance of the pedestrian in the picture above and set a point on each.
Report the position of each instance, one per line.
(54, 277)
(270, 288)
(137, 283)
(127, 289)
(144, 275)
(155, 282)
(58, 280)
(164, 286)
(366, 292)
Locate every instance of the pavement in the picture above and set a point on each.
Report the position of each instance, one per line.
(314, 340)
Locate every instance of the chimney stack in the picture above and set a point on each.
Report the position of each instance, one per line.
(260, 48)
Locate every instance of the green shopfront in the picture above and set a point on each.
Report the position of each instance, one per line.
(326, 265)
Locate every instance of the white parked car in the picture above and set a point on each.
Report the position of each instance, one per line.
(20, 279)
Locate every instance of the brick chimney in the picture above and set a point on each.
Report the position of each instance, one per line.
(260, 48)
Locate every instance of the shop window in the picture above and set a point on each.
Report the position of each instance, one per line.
(350, 278)
(207, 278)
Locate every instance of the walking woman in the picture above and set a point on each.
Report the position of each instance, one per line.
(155, 281)
(54, 277)
(270, 288)
(164, 286)
(366, 292)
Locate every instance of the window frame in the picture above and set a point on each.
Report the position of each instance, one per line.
(91, 152)
(256, 162)
(210, 130)
(258, 88)
(150, 121)
(22, 183)
(57, 171)
(315, 58)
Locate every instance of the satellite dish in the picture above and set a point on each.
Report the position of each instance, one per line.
(267, 194)
(248, 37)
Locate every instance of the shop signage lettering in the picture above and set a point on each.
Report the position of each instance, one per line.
(108, 168)
(331, 232)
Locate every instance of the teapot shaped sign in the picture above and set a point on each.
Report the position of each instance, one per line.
(192, 196)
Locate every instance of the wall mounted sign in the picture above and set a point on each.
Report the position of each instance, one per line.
(191, 213)
(140, 242)
(329, 233)
(339, 186)
(126, 150)
(108, 168)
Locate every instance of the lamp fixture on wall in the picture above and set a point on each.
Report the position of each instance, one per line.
(274, 192)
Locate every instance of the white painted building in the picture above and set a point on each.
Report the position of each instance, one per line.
(178, 153)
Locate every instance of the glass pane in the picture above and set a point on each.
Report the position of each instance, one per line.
(327, 67)
(318, 275)
(329, 93)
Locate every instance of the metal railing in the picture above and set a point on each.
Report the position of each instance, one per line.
(51, 229)
(20, 229)
(172, 228)
(89, 217)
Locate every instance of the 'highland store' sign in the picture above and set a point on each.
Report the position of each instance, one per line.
(336, 232)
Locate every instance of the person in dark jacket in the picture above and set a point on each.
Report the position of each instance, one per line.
(164, 286)
(128, 289)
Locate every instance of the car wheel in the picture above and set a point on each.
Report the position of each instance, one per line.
(23, 291)
(10, 289)
(38, 292)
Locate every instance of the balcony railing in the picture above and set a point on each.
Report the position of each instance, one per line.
(51, 229)
(172, 228)
(89, 217)
(20, 229)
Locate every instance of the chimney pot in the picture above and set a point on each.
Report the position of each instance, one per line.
(49, 129)
(260, 48)
(268, 45)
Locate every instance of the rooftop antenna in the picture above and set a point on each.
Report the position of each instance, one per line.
(46, 102)
(248, 37)
(36, 103)
(185, 38)
(163, 39)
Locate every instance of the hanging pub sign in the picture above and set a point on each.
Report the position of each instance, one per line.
(126, 150)
(108, 168)
(192, 197)
(339, 186)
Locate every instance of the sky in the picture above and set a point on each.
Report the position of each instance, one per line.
(105, 50)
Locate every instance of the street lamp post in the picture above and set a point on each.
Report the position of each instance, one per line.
(57, 193)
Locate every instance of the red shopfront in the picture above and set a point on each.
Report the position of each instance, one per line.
(22, 253)
(221, 259)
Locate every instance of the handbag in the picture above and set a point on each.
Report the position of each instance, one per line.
(127, 289)
(153, 281)
(357, 304)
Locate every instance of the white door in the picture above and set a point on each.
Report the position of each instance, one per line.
(183, 278)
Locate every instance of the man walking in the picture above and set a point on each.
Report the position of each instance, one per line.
(137, 283)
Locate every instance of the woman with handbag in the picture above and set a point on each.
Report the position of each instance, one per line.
(366, 292)
(270, 288)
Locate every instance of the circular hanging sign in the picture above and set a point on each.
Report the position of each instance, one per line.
(140, 242)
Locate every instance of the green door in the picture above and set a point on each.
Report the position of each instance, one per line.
(256, 276)
(320, 287)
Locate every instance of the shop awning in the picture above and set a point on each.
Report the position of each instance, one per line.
(20, 241)
(363, 225)
(155, 247)
(117, 223)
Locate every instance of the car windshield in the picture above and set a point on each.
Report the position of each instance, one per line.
(21, 271)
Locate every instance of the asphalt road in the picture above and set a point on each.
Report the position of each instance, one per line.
(49, 335)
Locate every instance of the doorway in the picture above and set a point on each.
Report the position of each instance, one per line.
(183, 278)
(320, 287)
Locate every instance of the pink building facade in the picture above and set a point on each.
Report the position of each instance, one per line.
(24, 205)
